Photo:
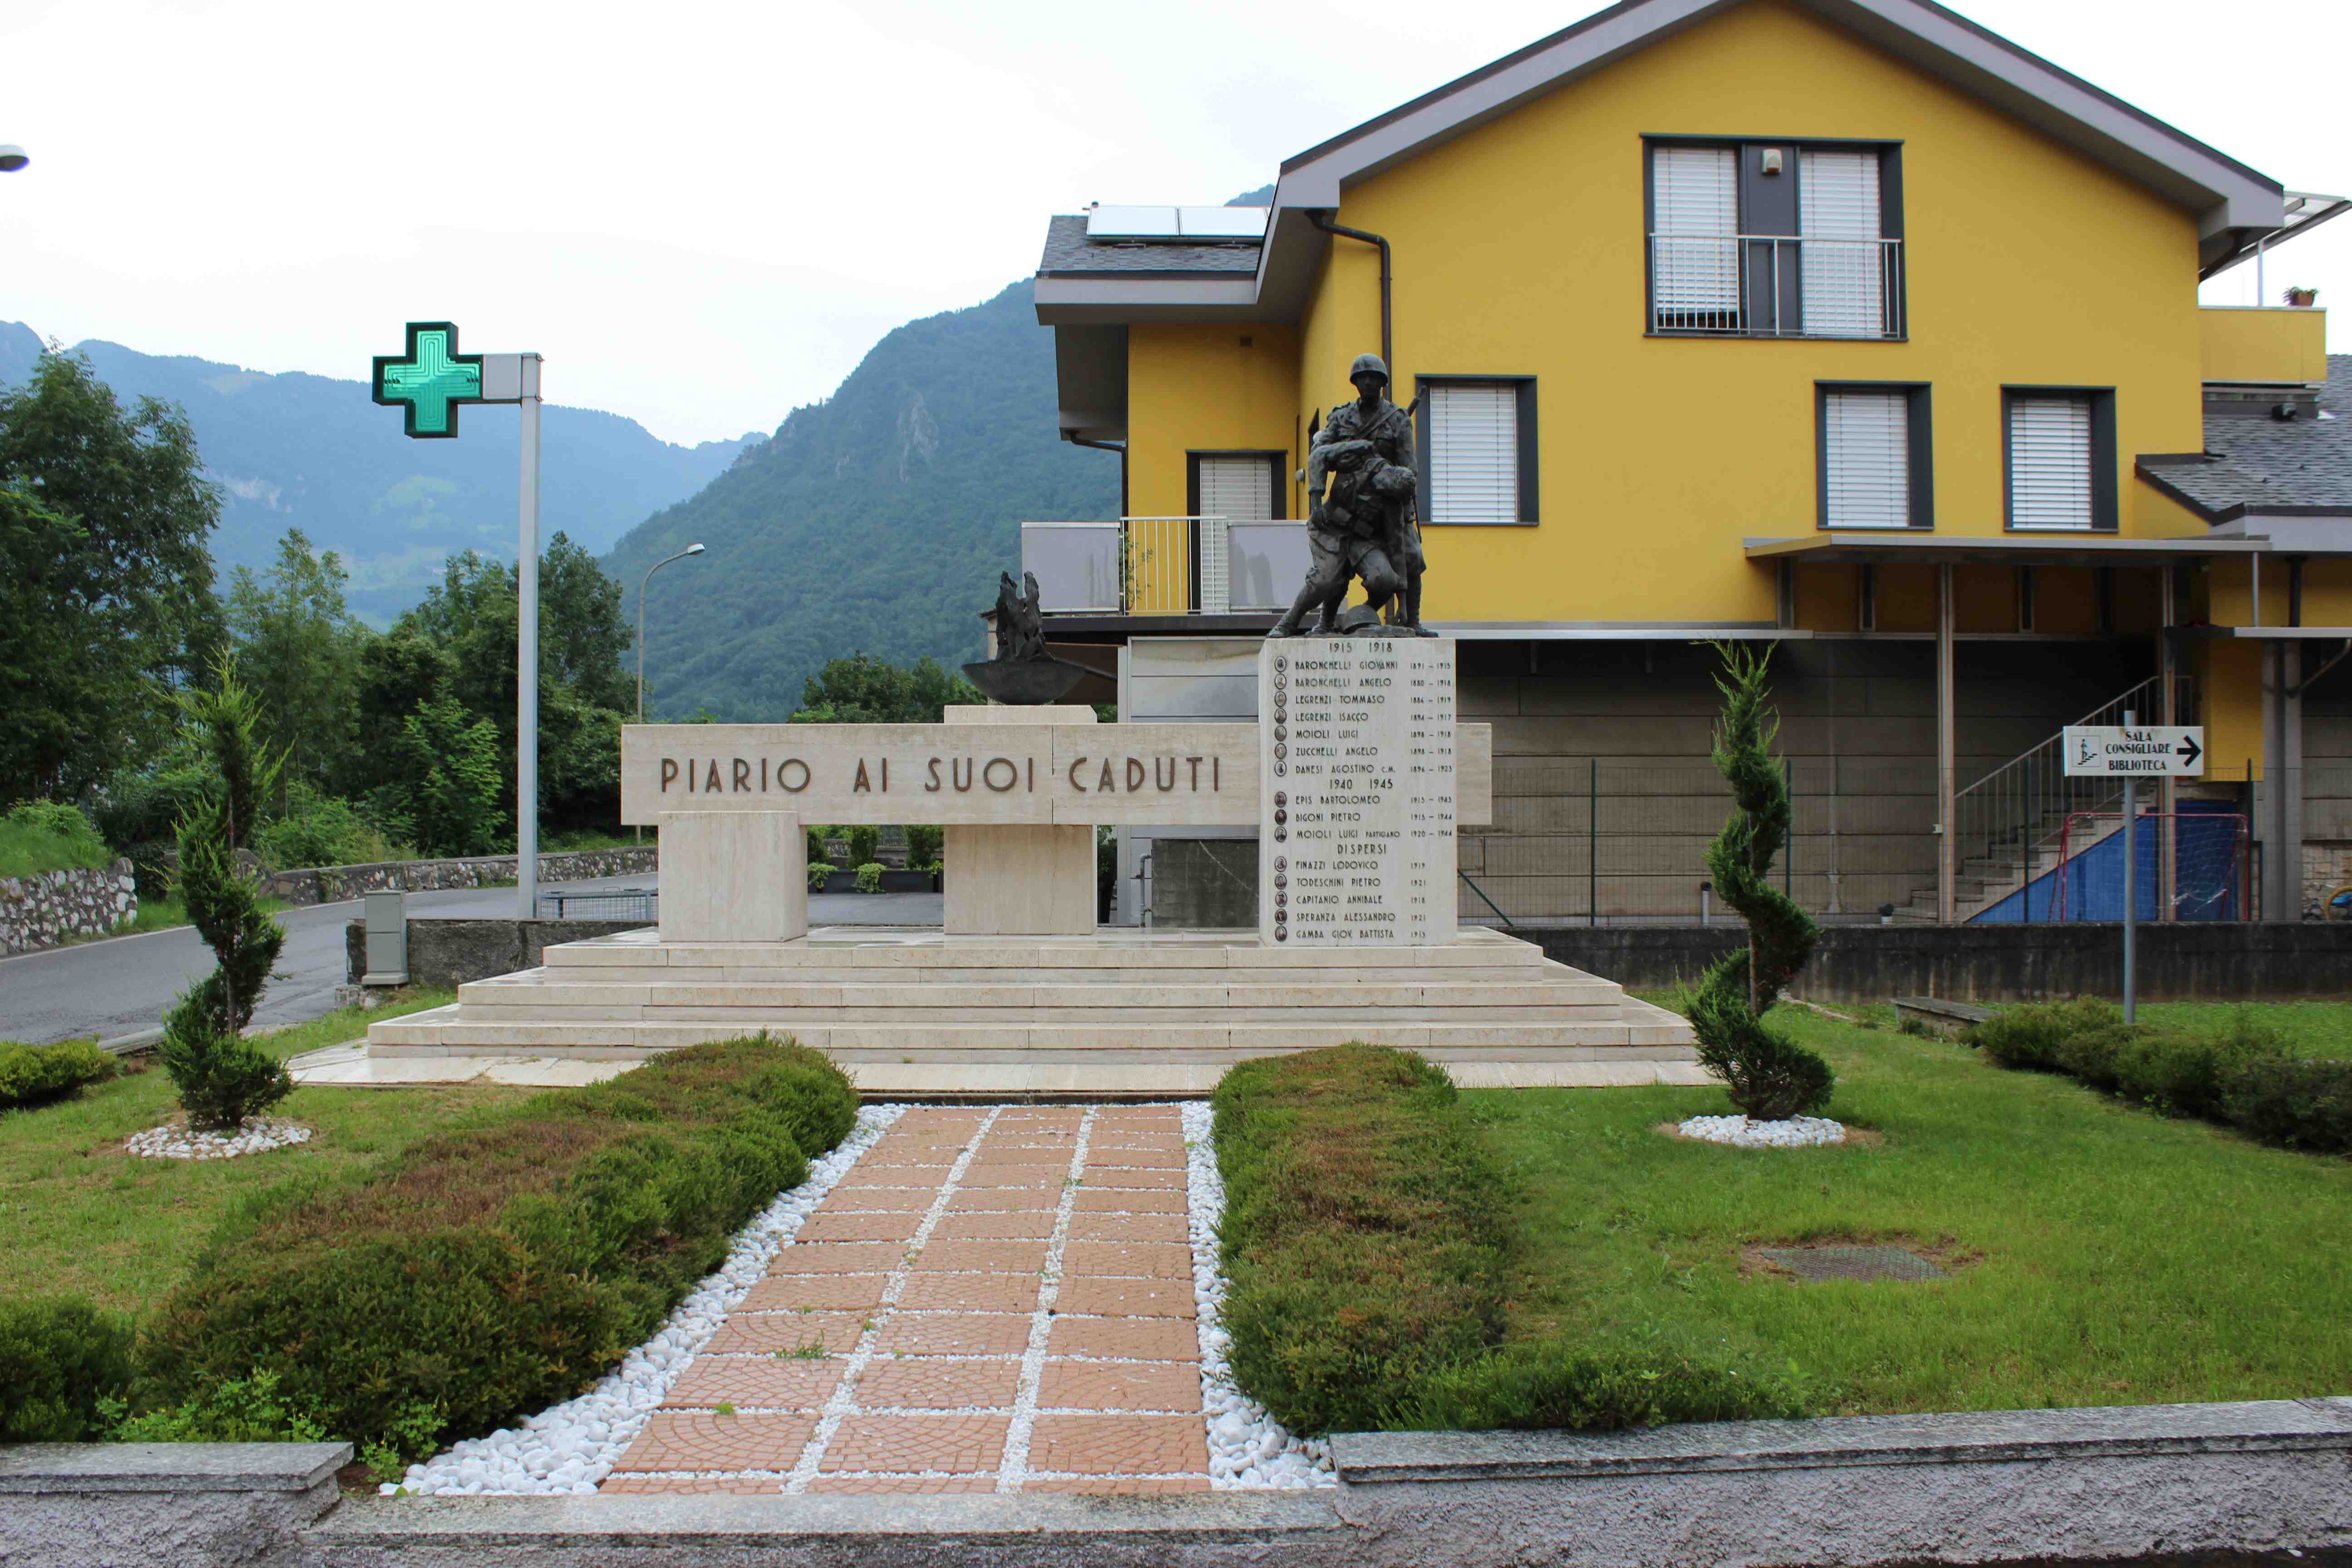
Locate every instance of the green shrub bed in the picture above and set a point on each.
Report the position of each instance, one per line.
(1368, 1242)
(504, 1265)
(2243, 1078)
(31, 1074)
(59, 1361)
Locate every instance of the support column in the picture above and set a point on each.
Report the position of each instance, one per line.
(1020, 879)
(2168, 713)
(2282, 814)
(733, 876)
(1946, 735)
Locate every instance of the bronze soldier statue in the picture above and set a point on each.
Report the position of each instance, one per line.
(1360, 485)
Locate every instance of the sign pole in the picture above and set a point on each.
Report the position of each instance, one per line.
(2131, 890)
(527, 667)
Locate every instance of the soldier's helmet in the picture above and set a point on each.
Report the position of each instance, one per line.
(1368, 364)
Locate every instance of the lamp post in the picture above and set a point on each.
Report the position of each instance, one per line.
(694, 549)
(690, 550)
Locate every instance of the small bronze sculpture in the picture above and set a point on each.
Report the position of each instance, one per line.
(1360, 487)
(1023, 674)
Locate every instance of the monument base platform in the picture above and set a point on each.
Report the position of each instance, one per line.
(1023, 1014)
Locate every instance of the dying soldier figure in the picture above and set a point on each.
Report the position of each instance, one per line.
(1360, 487)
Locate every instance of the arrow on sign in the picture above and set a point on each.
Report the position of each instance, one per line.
(2190, 750)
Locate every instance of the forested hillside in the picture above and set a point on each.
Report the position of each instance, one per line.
(875, 521)
(313, 453)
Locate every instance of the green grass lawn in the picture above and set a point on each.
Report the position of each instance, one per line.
(77, 1214)
(2103, 1255)
(2309, 1028)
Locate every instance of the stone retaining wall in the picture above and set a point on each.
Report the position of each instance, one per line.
(44, 910)
(447, 953)
(331, 884)
(2178, 1484)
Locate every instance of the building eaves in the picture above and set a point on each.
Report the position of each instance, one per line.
(1070, 254)
(2267, 465)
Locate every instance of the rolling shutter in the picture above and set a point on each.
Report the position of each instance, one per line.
(1238, 488)
(1694, 255)
(1474, 451)
(1867, 448)
(1844, 285)
(2050, 462)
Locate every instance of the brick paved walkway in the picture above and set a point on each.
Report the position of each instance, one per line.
(989, 1300)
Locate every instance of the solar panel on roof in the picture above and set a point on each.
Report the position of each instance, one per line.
(1132, 222)
(1222, 223)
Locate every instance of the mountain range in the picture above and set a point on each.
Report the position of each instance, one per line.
(294, 450)
(875, 521)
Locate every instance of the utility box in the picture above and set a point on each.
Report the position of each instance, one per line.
(387, 915)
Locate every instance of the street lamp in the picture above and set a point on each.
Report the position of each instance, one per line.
(12, 158)
(695, 549)
(690, 550)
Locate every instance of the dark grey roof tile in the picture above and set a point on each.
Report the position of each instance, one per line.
(1069, 250)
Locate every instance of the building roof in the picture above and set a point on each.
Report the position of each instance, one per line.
(2234, 204)
(1070, 254)
(2267, 465)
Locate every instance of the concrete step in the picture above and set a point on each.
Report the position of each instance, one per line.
(552, 997)
(819, 975)
(1477, 949)
(441, 1031)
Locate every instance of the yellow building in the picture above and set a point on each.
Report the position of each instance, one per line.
(1852, 329)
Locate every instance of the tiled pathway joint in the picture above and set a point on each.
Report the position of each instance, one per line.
(990, 1299)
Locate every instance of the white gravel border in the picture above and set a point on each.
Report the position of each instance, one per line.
(257, 1135)
(1746, 1133)
(570, 1446)
(1247, 1447)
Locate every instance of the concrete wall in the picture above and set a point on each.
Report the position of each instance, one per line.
(449, 953)
(44, 910)
(331, 884)
(2196, 960)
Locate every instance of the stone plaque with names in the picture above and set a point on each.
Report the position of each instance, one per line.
(1356, 792)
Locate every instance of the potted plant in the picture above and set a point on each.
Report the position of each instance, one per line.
(2297, 295)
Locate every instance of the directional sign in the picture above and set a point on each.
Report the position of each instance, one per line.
(2174, 752)
(430, 380)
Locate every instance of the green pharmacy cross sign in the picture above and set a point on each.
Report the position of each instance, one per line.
(429, 381)
(427, 385)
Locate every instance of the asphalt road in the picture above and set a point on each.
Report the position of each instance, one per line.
(121, 985)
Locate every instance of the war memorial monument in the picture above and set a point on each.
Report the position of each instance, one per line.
(1356, 775)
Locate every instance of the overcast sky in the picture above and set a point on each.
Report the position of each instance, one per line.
(703, 213)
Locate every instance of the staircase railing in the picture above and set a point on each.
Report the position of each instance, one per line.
(2006, 820)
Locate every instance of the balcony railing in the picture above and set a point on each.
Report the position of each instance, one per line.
(1776, 286)
(1165, 565)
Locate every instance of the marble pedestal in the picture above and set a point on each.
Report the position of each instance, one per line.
(1020, 878)
(733, 876)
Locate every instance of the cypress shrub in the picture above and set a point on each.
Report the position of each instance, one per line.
(31, 1074)
(504, 1265)
(59, 1359)
(2301, 1102)
(2030, 1036)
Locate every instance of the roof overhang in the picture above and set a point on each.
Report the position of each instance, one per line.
(1835, 548)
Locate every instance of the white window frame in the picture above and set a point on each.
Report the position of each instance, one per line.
(1491, 493)
(2052, 421)
(1859, 474)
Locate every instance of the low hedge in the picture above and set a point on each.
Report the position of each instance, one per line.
(504, 1265)
(2244, 1078)
(1368, 1241)
(59, 1361)
(31, 1074)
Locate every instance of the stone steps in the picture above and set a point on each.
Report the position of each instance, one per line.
(1044, 1005)
(557, 999)
(443, 1032)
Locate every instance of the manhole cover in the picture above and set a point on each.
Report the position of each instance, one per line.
(1817, 1263)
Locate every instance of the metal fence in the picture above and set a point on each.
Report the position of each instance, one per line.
(610, 904)
(1604, 842)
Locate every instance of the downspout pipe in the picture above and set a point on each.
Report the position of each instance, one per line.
(1322, 220)
(1075, 439)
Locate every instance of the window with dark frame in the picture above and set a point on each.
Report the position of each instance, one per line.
(2058, 458)
(1873, 454)
(1476, 439)
(1774, 238)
